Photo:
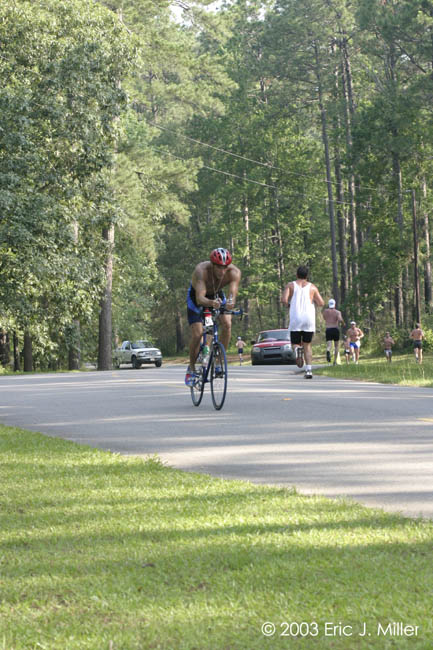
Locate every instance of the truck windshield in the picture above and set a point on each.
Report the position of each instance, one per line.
(274, 335)
(141, 344)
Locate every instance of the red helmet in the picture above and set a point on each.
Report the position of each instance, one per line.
(221, 256)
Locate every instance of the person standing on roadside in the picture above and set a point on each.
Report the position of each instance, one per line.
(355, 335)
(388, 342)
(333, 319)
(302, 296)
(417, 336)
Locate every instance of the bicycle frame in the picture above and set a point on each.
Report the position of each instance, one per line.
(214, 369)
(215, 340)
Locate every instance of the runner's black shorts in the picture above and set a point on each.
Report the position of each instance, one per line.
(301, 337)
(417, 344)
(332, 334)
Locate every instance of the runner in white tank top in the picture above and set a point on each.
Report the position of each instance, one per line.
(302, 296)
(302, 310)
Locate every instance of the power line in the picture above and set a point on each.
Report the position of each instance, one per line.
(250, 180)
(258, 162)
(219, 171)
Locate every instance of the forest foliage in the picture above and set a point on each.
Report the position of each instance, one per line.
(137, 135)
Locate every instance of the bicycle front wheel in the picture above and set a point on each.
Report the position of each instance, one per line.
(198, 386)
(218, 375)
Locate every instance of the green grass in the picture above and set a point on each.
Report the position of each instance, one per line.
(100, 551)
(402, 370)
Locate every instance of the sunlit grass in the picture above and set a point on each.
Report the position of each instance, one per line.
(402, 370)
(101, 551)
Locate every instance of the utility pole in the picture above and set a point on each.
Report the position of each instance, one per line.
(415, 259)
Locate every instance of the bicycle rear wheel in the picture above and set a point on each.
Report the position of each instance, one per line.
(198, 386)
(218, 375)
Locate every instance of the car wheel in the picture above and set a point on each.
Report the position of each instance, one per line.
(254, 362)
(158, 364)
(135, 363)
(116, 364)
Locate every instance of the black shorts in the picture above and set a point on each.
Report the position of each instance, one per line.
(240, 350)
(417, 344)
(332, 334)
(301, 337)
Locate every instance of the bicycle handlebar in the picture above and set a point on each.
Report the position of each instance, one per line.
(230, 312)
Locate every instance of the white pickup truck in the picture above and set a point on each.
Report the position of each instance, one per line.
(137, 353)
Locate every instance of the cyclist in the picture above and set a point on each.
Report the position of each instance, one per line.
(302, 296)
(205, 290)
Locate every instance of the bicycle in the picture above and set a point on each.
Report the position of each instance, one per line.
(211, 364)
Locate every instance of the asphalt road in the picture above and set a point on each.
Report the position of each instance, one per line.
(370, 442)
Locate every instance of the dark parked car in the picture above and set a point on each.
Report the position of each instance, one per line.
(272, 346)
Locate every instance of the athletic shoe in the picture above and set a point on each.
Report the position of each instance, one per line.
(308, 374)
(190, 377)
(328, 356)
(299, 357)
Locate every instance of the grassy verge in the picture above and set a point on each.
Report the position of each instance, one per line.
(403, 370)
(99, 551)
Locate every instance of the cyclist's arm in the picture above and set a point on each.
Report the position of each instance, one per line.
(233, 287)
(200, 290)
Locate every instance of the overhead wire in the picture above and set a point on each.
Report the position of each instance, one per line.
(258, 162)
(250, 180)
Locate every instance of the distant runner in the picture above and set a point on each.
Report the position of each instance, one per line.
(240, 344)
(355, 335)
(347, 348)
(388, 342)
(417, 335)
(333, 319)
(302, 296)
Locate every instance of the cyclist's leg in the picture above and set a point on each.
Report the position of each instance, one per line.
(196, 327)
(225, 330)
(194, 344)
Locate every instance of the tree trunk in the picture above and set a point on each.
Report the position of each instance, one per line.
(28, 352)
(427, 264)
(247, 258)
(180, 337)
(277, 243)
(105, 317)
(349, 110)
(341, 217)
(325, 141)
(74, 349)
(399, 306)
(5, 356)
(16, 353)
(415, 259)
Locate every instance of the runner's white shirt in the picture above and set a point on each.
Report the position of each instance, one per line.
(302, 310)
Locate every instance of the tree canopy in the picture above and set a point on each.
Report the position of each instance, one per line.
(290, 131)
